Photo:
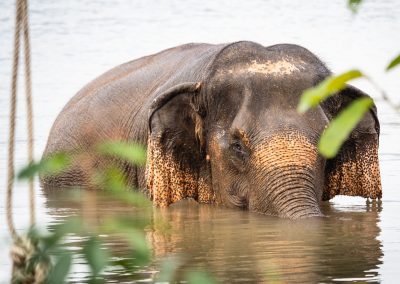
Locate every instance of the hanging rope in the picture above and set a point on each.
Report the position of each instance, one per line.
(13, 102)
(21, 22)
(27, 266)
(29, 108)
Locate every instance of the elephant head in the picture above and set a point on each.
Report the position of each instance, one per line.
(234, 137)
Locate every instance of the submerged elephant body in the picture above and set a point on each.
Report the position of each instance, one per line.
(221, 126)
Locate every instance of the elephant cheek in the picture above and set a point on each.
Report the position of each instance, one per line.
(168, 181)
(356, 171)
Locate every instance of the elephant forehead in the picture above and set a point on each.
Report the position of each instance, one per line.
(286, 149)
(277, 68)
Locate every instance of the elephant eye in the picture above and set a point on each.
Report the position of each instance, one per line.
(238, 155)
(237, 147)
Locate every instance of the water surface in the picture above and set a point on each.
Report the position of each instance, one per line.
(75, 41)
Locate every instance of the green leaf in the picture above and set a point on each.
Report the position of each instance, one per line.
(130, 152)
(141, 250)
(199, 277)
(47, 166)
(354, 5)
(30, 170)
(69, 226)
(133, 233)
(111, 179)
(135, 199)
(96, 257)
(122, 224)
(313, 96)
(61, 269)
(169, 266)
(341, 126)
(393, 63)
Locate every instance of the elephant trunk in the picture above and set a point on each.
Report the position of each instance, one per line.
(289, 176)
(291, 193)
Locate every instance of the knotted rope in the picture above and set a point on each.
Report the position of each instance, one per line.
(27, 267)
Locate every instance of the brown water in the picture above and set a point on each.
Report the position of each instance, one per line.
(73, 42)
(239, 246)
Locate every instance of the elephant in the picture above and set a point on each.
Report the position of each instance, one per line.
(220, 125)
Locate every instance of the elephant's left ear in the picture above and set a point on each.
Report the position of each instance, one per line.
(176, 165)
(355, 170)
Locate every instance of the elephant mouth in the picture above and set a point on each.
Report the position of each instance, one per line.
(239, 201)
(300, 213)
(290, 202)
(292, 198)
(303, 214)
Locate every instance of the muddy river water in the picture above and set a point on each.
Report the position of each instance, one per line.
(75, 41)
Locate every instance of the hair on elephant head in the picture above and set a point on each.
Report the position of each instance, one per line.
(234, 137)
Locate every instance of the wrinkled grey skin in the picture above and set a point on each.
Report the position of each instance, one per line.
(221, 126)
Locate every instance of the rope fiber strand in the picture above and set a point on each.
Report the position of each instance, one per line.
(29, 108)
(13, 106)
(21, 23)
(26, 266)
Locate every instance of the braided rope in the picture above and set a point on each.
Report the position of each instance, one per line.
(21, 23)
(29, 108)
(27, 268)
(13, 106)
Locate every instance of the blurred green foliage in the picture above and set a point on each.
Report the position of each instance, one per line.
(47, 166)
(130, 229)
(131, 152)
(354, 5)
(393, 63)
(341, 126)
(314, 96)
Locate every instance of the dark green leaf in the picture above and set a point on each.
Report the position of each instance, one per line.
(393, 63)
(96, 257)
(133, 198)
(47, 166)
(199, 277)
(69, 226)
(98, 280)
(354, 5)
(30, 170)
(141, 250)
(111, 179)
(340, 127)
(130, 152)
(312, 97)
(61, 269)
(169, 266)
(133, 235)
(126, 263)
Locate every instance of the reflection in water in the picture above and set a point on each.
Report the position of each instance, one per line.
(75, 41)
(239, 246)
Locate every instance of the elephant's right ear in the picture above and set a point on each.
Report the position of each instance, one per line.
(176, 166)
(355, 169)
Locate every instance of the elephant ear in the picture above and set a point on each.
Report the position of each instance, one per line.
(176, 165)
(355, 170)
